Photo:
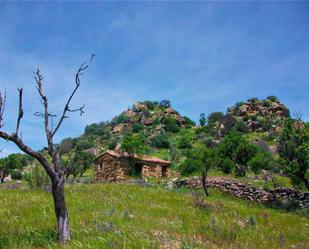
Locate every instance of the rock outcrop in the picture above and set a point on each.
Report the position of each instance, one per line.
(260, 115)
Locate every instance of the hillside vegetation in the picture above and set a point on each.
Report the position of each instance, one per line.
(135, 216)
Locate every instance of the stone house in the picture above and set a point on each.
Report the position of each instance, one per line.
(115, 166)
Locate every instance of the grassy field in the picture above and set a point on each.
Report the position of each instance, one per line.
(133, 216)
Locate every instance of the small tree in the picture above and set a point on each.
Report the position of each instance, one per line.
(51, 163)
(78, 165)
(202, 119)
(165, 103)
(294, 149)
(134, 145)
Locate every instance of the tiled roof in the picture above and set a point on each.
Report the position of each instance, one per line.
(142, 158)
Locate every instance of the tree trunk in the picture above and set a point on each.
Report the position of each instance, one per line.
(306, 182)
(204, 176)
(61, 210)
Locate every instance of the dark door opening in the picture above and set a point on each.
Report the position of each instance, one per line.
(164, 171)
(138, 168)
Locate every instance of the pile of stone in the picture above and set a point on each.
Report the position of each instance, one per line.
(246, 191)
(302, 198)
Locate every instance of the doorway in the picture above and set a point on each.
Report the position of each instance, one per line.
(164, 171)
(138, 168)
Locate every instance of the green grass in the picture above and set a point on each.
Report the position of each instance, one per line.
(132, 216)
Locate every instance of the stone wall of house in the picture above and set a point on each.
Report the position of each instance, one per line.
(111, 169)
(154, 170)
(245, 191)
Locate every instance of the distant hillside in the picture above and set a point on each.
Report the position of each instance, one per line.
(162, 126)
(260, 115)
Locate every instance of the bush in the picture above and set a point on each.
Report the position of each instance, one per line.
(83, 144)
(165, 103)
(156, 122)
(215, 117)
(193, 162)
(260, 161)
(112, 144)
(241, 126)
(121, 119)
(253, 100)
(239, 104)
(171, 124)
(188, 122)
(266, 103)
(184, 142)
(137, 127)
(16, 175)
(253, 118)
(272, 98)
(37, 178)
(160, 141)
(226, 165)
(150, 104)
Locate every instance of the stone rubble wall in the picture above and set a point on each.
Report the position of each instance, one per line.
(110, 169)
(246, 191)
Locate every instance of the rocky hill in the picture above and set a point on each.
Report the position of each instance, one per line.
(149, 114)
(260, 115)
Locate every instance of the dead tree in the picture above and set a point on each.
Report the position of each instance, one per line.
(50, 163)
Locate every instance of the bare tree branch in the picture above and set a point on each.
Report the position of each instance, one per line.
(2, 107)
(20, 109)
(66, 109)
(28, 151)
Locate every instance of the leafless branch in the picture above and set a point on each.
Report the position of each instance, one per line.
(66, 109)
(20, 109)
(2, 107)
(28, 151)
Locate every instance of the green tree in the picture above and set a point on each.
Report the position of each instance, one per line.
(78, 165)
(133, 144)
(160, 141)
(171, 124)
(66, 145)
(236, 148)
(294, 150)
(202, 119)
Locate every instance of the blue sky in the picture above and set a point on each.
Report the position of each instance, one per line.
(203, 56)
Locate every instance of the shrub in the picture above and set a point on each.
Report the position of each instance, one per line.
(121, 119)
(226, 165)
(150, 104)
(156, 122)
(236, 148)
(16, 175)
(112, 144)
(137, 127)
(37, 178)
(83, 144)
(253, 118)
(193, 162)
(188, 122)
(202, 119)
(215, 117)
(253, 100)
(239, 104)
(185, 142)
(228, 122)
(260, 161)
(171, 124)
(241, 126)
(165, 103)
(160, 141)
(272, 98)
(266, 103)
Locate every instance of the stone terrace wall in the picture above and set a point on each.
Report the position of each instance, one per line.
(245, 191)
